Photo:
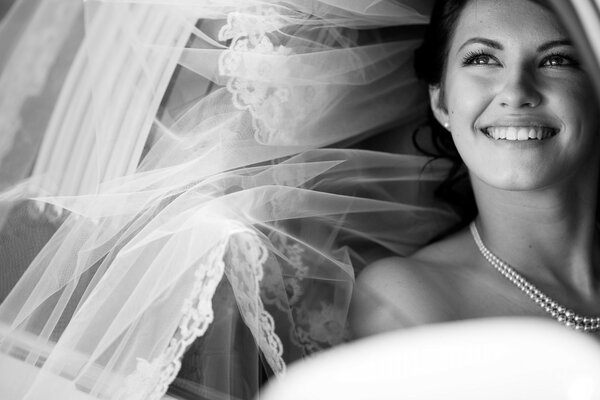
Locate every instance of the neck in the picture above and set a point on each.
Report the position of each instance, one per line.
(548, 235)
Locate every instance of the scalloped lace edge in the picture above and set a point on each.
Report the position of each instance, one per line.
(151, 379)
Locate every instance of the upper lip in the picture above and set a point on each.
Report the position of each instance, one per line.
(522, 122)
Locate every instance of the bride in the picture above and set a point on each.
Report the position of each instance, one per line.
(189, 188)
(508, 85)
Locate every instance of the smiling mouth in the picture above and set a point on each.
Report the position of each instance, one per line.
(519, 133)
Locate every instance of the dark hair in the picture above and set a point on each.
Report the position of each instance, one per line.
(430, 66)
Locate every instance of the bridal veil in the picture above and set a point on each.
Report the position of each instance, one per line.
(188, 187)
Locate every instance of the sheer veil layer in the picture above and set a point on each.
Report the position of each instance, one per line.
(188, 190)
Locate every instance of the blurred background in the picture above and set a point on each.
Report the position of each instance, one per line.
(4, 6)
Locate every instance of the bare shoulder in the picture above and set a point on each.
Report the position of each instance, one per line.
(399, 292)
(394, 293)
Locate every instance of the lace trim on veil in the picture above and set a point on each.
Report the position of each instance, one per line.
(245, 256)
(245, 268)
(315, 327)
(277, 110)
(151, 379)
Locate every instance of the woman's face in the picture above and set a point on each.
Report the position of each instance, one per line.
(520, 108)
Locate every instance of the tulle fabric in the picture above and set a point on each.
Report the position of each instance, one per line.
(187, 189)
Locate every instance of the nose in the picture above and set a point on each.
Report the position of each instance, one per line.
(520, 91)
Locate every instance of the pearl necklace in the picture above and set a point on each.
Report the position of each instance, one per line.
(558, 312)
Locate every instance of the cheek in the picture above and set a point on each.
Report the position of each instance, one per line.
(469, 149)
(467, 98)
(576, 97)
(578, 109)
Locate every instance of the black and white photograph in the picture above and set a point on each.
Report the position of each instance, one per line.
(299, 199)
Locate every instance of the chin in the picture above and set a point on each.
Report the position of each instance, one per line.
(518, 181)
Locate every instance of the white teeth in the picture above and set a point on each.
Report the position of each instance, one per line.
(511, 133)
(522, 134)
(519, 133)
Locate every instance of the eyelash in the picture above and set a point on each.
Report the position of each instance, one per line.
(571, 62)
(471, 56)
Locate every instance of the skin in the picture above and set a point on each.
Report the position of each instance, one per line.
(510, 64)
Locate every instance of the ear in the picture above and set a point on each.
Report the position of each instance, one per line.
(438, 106)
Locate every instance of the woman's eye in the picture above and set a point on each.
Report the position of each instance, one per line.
(558, 60)
(482, 60)
(479, 59)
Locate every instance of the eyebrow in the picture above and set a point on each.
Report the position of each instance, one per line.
(496, 45)
(554, 43)
(479, 40)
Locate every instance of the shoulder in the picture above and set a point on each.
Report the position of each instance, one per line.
(401, 292)
(395, 293)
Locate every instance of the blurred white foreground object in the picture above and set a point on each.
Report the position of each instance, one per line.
(484, 359)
